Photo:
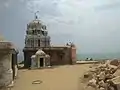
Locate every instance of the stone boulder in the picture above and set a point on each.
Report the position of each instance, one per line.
(101, 88)
(88, 75)
(118, 86)
(104, 76)
(92, 83)
(116, 80)
(117, 73)
(114, 62)
(89, 88)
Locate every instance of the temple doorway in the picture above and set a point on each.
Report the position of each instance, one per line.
(41, 62)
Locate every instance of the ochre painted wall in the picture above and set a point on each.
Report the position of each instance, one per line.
(73, 55)
(66, 55)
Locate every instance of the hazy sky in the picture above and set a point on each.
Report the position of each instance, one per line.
(93, 25)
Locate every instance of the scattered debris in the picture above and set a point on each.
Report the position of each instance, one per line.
(103, 77)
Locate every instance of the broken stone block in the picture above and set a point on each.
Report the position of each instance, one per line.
(90, 66)
(101, 88)
(110, 88)
(92, 70)
(89, 88)
(114, 62)
(118, 86)
(101, 84)
(109, 76)
(102, 66)
(113, 67)
(87, 75)
(116, 80)
(101, 76)
(117, 73)
(92, 83)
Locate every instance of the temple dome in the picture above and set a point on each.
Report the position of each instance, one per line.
(40, 52)
(36, 24)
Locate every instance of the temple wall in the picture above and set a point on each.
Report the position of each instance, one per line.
(67, 58)
(54, 58)
(68, 55)
(73, 55)
(27, 58)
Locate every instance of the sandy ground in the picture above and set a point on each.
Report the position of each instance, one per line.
(59, 78)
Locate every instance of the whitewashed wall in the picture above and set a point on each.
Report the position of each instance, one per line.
(5, 69)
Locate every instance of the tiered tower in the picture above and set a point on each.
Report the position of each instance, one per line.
(36, 35)
(36, 38)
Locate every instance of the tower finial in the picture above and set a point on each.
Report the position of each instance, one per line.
(36, 17)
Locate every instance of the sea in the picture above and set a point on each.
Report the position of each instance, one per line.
(98, 56)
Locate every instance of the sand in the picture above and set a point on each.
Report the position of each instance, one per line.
(59, 78)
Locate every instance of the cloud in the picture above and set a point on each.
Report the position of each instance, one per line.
(6, 4)
(92, 24)
(63, 38)
(109, 6)
(45, 7)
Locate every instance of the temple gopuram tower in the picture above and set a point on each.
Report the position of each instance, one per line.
(36, 37)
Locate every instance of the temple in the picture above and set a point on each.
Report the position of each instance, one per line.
(38, 51)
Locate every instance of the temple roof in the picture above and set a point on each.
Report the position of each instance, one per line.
(7, 44)
(40, 52)
(36, 24)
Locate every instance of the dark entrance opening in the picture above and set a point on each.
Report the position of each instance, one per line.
(13, 65)
(38, 43)
(41, 62)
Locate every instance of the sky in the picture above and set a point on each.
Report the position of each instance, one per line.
(93, 25)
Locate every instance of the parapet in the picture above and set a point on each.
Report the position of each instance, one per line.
(6, 45)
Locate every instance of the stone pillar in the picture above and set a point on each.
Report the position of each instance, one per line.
(10, 70)
(36, 42)
(30, 42)
(16, 70)
(24, 58)
(32, 63)
(43, 62)
(10, 59)
(38, 62)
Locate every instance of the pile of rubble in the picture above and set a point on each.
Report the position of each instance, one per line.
(103, 77)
